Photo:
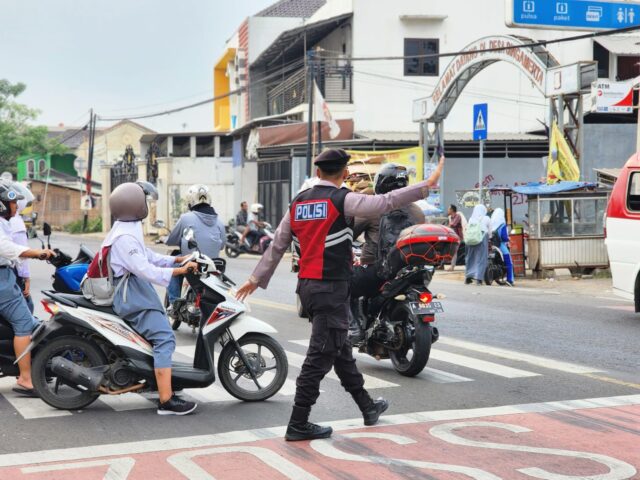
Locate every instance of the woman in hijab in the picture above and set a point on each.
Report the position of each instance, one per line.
(500, 233)
(477, 245)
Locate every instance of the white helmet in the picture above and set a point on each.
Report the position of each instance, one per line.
(256, 207)
(198, 194)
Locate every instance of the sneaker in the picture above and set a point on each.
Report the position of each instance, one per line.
(176, 406)
(372, 414)
(509, 283)
(306, 431)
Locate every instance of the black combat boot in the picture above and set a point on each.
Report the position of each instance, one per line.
(371, 409)
(300, 428)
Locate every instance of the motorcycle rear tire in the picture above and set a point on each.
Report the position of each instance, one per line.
(488, 275)
(225, 375)
(40, 371)
(421, 347)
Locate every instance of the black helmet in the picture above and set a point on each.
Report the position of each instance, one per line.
(8, 193)
(390, 177)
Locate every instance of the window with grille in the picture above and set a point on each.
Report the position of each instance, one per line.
(421, 66)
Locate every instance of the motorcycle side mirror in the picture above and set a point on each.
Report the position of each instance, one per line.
(46, 229)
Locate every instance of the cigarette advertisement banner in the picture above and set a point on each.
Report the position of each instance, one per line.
(369, 162)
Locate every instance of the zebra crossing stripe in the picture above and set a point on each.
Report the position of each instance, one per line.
(127, 401)
(519, 356)
(29, 408)
(480, 365)
(430, 374)
(370, 382)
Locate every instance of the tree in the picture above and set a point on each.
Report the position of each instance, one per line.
(17, 136)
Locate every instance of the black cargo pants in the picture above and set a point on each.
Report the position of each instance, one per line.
(327, 303)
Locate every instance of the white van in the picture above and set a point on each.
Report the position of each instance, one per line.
(623, 232)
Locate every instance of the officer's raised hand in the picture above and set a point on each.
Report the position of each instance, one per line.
(245, 290)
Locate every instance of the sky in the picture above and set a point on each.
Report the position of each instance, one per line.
(120, 57)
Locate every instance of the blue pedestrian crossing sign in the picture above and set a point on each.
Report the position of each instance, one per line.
(480, 114)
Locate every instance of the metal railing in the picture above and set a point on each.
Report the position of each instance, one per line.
(334, 81)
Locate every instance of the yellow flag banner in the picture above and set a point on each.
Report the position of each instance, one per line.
(562, 164)
(369, 162)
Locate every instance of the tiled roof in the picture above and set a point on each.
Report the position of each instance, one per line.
(71, 137)
(292, 8)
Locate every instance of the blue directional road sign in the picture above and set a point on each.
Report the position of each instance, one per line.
(572, 14)
(480, 112)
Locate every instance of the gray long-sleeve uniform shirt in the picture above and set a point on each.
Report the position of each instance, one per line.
(355, 205)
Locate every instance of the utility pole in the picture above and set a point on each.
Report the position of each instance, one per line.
(311, 81)
(92, 136)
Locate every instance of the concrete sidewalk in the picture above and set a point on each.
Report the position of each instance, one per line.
(562, 282)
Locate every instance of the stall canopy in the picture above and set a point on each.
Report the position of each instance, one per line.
(544, 189)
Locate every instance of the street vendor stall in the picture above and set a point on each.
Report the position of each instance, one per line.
(566, 226)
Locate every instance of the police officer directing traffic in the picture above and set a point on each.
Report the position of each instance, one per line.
(320, 224)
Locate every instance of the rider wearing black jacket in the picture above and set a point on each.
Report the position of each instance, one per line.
(366, 280)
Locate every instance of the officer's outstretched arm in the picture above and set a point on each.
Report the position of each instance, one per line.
(270, 259)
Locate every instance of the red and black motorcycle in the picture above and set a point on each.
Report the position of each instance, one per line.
(400, 323)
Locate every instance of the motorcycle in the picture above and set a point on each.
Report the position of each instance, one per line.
(234, 246)
(496, 268)
(69, 272)
(185, 308)
(85, 351)
(400, 322)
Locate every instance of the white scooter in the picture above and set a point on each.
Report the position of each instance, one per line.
(85, 351)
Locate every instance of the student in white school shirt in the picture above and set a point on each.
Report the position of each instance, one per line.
(13, 306)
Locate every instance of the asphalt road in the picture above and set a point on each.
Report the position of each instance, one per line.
(499, 346)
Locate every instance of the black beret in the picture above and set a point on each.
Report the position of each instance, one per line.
(335, 157)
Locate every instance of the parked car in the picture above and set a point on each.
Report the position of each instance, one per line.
(623, 232)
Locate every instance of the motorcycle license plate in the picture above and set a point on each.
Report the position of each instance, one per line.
(426, 308)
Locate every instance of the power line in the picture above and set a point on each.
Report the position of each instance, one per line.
(290, 66)
(73, 134)
(540, 43)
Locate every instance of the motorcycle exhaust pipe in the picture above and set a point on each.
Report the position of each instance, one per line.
(84, 378)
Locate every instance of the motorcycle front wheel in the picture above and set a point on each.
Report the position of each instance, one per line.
(54, 392)
(413, 356)
(265, 374)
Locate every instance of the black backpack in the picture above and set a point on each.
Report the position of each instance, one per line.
(391, 224)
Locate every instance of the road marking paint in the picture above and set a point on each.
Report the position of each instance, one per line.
(519, 356)
(246, 436)
(127, 401)
(29, 408)
(440, 376)
(615, 381)
(481, 365)
(118, 467)
(431, 374)
(296, 360)
(473, 363)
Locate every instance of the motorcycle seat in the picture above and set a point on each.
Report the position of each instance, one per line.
(80, 301)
